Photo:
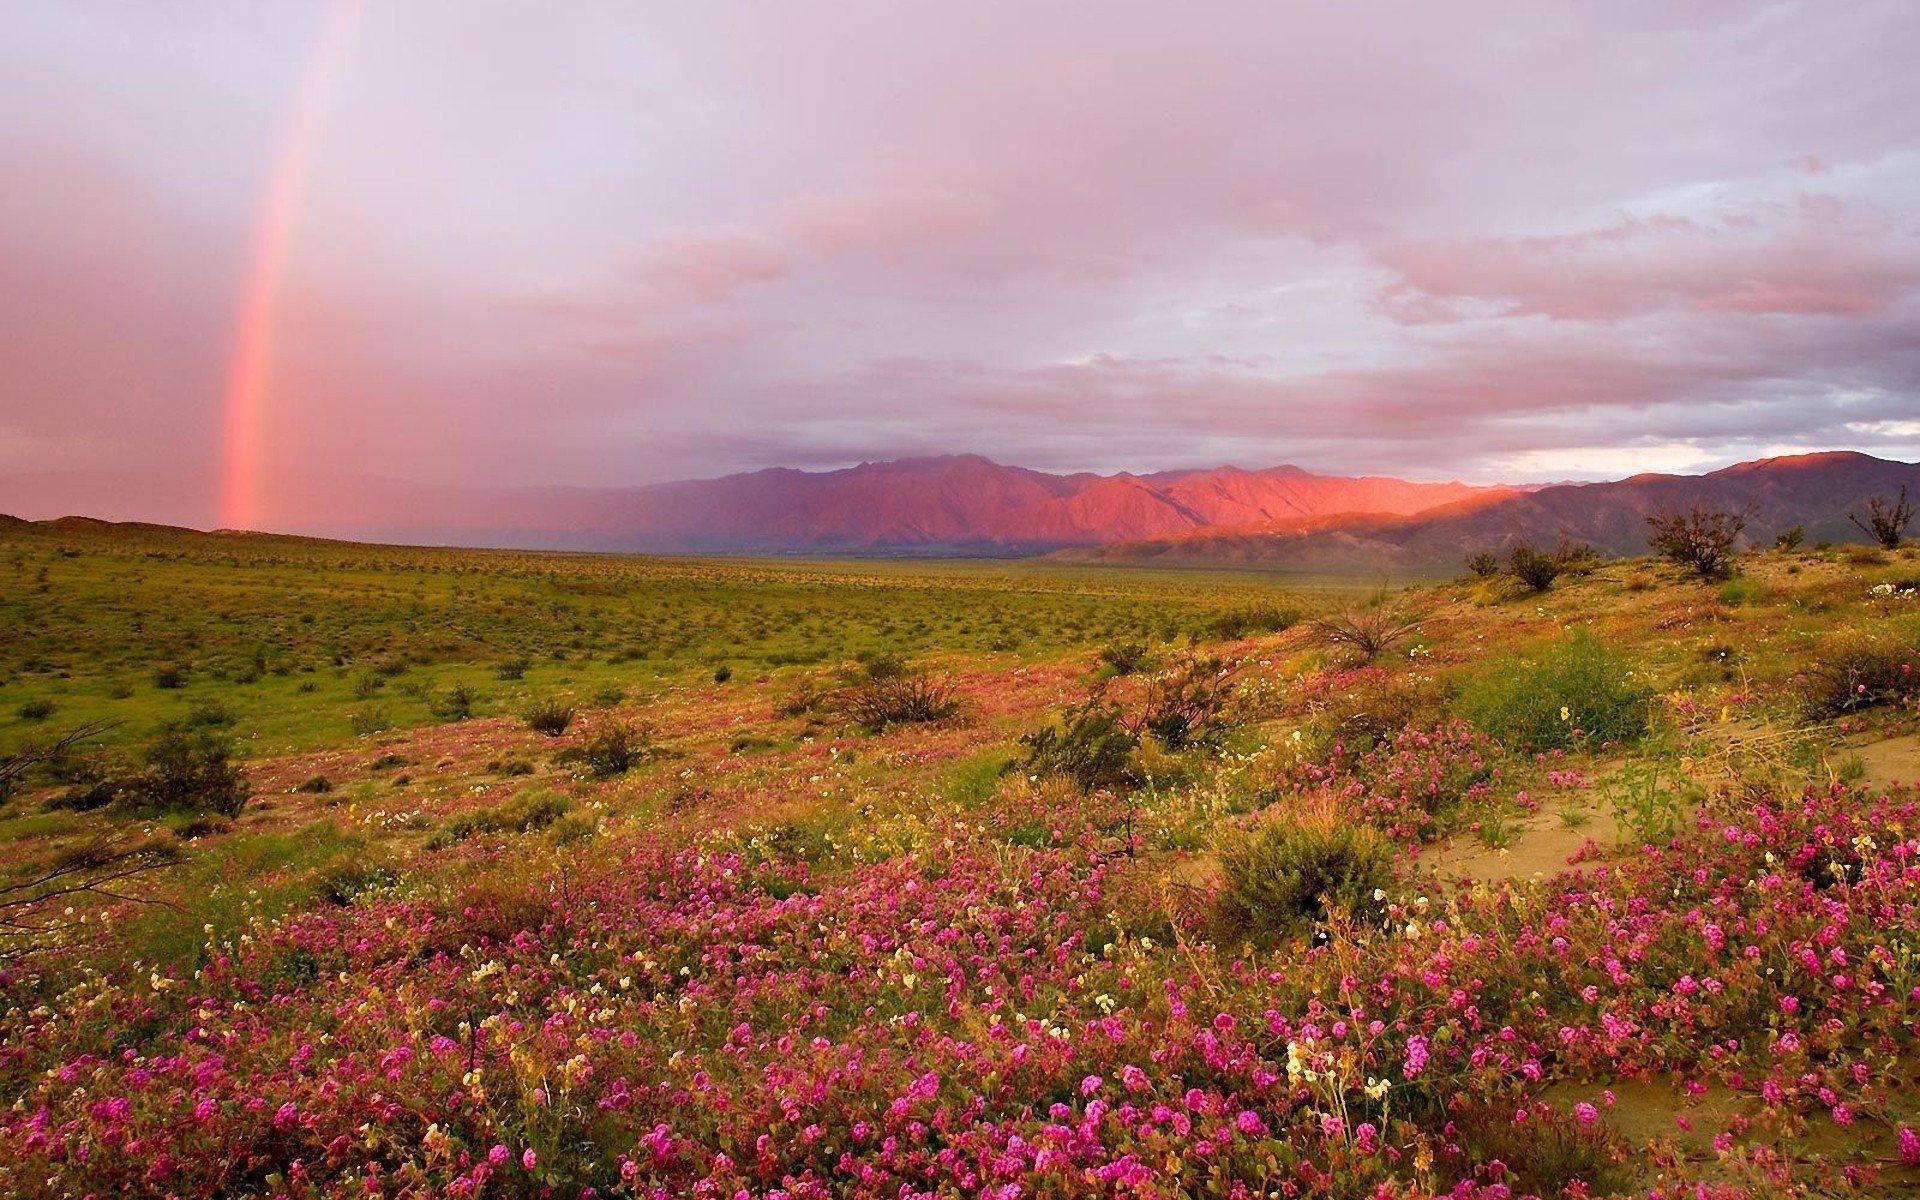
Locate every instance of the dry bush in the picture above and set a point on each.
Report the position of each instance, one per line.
(1701, 538)
(1886, 520)
(1366, 632)
(897, 697)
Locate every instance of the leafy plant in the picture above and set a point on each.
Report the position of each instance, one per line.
(1090, 745)
(1484, 564)
(1643, 804)
(1295, 870)
(1577, 690)
(188, 772)
(1125, 658)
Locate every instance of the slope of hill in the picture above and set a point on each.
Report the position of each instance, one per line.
(1814, 491)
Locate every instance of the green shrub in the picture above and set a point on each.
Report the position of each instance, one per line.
(550, 717)
(187, 772)
(169, 677)
(1090, 746)
(206, 714)
(318, 785)
(1484, 564)
(452, 705)
(535, 808)
(613, 749)
(1854, 669)
(1575, 691)
(1291, 871)
(1251, 620)
(1191, 704)
(511, 670)
(35, 710)
(1125, 658)
(1532, 568)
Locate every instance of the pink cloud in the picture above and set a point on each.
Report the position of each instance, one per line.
(1818, 257)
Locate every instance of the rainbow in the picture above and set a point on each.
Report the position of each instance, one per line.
(245, 397)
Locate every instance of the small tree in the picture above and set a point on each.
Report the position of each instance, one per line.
(1701, 538)
(1532, 568)
(1886, 520)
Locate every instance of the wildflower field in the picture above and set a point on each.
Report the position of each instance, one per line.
(332, 871)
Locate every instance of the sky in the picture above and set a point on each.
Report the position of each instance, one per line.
(478, 243)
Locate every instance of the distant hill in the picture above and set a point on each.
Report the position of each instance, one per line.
(1814, 491)
(964, 504)
(968, 501)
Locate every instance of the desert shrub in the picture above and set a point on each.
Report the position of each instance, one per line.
(1576, 558)
(1532, 568)
(1249, 620)
(1364, 706)
(1125, 658)
(722, 673)
(317, 785)
(1854, 669)
(372, 719)
(1090, 745)
(1294, 870)
(613, 749)
(187, 772)
(1366, 632)
(206, 714)
(1577, 691)
(1885, 521)
(1700, 539)
(168, 678)
(1484, 564)
(535, 808)
(550, 716)
(1790, 539)
(1189, 704)
(38, 709)
(452, 705)
(893, 694)
(511, 670)
(1864, 556)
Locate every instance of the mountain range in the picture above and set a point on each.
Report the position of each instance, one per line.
(965, 504)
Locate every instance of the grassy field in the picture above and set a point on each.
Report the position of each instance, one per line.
(405, 872)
